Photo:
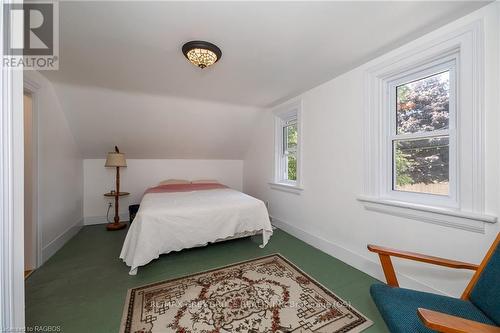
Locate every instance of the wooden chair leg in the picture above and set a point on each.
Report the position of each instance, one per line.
(389, 273)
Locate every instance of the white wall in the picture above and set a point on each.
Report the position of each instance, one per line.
(60, 173)
(327, 214)
(143, 173)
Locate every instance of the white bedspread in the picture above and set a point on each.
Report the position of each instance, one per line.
(169, 222)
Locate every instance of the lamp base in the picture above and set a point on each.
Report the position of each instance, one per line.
(116, 226)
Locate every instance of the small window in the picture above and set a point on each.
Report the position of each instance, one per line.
(287, 139)
(289, 155)
(421, 139)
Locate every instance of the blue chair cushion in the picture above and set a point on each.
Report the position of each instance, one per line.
(486, 292)
(398, 307)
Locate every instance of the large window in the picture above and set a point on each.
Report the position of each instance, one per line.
(422, 131)
(287, 145)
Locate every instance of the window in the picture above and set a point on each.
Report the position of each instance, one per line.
(289, 150)
(287, 145)
(422, 134)
(423, 131)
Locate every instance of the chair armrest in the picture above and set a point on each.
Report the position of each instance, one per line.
(385, 254)
(422, 258)
(445, 323)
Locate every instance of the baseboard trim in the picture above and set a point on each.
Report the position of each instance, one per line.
(349, 257)
(92, 220)
(50, 249)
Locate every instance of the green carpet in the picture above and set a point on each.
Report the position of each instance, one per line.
(82, 288)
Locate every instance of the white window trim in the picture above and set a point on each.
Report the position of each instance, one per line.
(448, 62)
(281, 114)
(467, 212)
(286, 188)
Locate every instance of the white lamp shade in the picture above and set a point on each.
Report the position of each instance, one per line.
(115, 160)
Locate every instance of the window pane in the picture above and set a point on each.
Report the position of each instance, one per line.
(291, 167)
(423, 105)
(291, 137)
(290, 150)
(422, 165)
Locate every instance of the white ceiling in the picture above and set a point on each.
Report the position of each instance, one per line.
(271, 50)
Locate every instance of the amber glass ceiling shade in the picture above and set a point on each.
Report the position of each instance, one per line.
(201, 54)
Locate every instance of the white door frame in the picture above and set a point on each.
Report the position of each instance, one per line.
(11, 196)
(32, 88)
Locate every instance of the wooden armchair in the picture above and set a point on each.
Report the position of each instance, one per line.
(404, 310)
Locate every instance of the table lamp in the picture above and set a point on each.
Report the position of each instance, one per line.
(116, 160)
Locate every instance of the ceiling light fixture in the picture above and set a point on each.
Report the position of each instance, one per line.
(201, 54)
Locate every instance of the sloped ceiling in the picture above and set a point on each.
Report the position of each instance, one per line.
(153, 126)
(123, 79)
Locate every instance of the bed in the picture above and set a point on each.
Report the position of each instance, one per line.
(173, 217)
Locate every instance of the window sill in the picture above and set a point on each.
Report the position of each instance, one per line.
(286, 188)
(442, 216)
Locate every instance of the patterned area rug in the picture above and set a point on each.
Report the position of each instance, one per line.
(267, 294)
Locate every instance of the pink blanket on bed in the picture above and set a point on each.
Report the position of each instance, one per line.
(183, 188)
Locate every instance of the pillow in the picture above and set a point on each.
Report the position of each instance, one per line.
(174, 182)
(205, 181)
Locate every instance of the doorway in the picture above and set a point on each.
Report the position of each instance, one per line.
(30, 228)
